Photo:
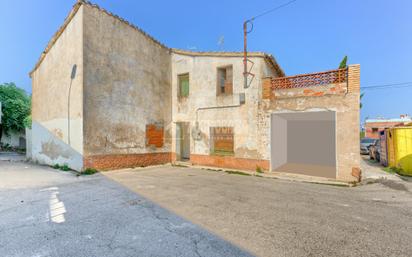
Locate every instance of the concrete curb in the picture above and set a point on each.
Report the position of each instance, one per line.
(274, 175)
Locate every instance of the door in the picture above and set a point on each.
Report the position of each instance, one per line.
(183, 141)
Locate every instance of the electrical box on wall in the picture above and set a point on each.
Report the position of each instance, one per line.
(242, 98)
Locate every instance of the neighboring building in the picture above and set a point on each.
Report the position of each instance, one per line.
(13, 139)
(373, 127)
(135, 102)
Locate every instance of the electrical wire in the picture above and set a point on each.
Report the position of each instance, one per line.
(272, 10)
(388, 86)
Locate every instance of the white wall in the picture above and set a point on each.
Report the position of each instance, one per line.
(13, 139)
(278, 142)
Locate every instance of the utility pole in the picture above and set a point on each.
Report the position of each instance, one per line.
(246, 72)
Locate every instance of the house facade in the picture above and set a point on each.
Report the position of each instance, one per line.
(135, 102)
(373, 127)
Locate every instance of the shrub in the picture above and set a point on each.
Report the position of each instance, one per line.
(65, 167)
(89, 171)
(259, 169)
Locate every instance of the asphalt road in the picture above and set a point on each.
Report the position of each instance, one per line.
(273, 217)
(44, 212)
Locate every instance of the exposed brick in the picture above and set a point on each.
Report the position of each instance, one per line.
(354, 78)
(318, 94)
(120, 161)
(308, 92)
(356, 172)
(267, 88)
(230, 162)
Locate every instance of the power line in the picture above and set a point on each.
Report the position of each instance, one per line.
(388, 86)
(385, 85)
(272, 10)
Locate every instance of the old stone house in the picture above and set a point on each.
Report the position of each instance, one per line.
(136, 102)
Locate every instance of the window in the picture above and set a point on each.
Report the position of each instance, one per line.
(183, 85)
(374, 129)
(225, 80)
(221, 140)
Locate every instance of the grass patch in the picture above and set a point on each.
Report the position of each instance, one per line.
(64, 167)
(89, 171)
(259, 169)
(391, 170)
(237, 172)
(372, 161)
(395, 170)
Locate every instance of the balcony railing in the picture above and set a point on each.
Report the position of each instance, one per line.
(311, 80)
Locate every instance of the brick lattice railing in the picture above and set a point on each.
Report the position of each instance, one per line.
(311, 80)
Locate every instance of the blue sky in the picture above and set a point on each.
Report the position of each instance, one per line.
(307, 36)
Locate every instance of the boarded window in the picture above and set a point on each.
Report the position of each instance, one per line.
(225, 80)
(221, 140)
(183, 85)
(154, 135)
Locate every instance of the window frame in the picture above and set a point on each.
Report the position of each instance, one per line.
(179, 88)
(219, 87)
(212, 146)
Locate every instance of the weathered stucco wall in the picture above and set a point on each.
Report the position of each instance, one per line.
(50, 82)
(126, 87)
(202, 93)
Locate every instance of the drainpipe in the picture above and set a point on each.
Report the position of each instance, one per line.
(214, 107)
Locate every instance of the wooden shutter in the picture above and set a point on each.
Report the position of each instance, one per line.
(184, 85)
(222, 138)
(154, 135)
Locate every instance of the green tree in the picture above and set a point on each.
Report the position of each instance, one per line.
(342, 64)
(16, 105)
(360, 104)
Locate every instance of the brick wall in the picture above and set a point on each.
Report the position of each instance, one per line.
(267, 92)
(380, 126)
(354, 78)
(120, 161)
(229, 162)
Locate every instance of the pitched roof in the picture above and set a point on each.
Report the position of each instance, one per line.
(268, 57)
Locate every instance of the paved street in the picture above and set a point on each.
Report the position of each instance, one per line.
(55, 213)
(174, 211)
(272, 217)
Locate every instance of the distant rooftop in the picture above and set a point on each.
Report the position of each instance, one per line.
(402, 118)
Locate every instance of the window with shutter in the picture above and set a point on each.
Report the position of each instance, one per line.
(222, 142)
(183, 85)
(225, 80)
